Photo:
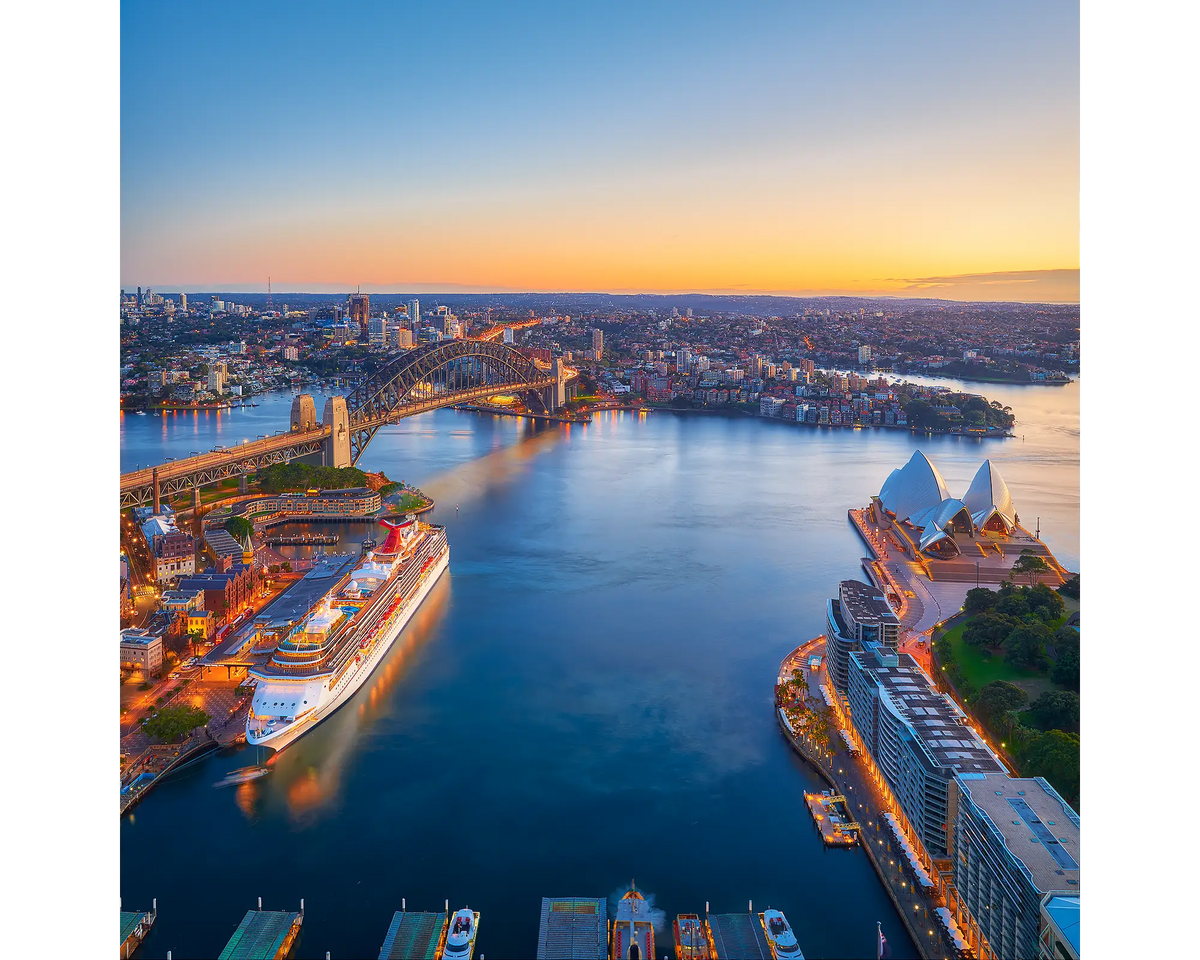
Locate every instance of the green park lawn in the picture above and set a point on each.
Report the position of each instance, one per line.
(981, 666)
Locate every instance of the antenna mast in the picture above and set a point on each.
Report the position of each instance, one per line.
(270, 306)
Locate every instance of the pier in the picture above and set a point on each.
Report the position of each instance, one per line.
(264, 935)
(831, 814)
(573, 928)
(414, 935)
(134, 927)
(301, 539)
(738, 935)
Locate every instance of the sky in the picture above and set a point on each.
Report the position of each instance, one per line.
(900, 148)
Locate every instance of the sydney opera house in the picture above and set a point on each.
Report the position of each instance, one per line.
(916, 499)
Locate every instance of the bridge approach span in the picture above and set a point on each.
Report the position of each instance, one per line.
(437, 375)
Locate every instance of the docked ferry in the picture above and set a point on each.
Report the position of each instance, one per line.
(633, 929)
(460, 935)
(691, 939)
(319, 665)
(779, 933)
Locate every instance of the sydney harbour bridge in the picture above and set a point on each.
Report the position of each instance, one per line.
(437, 375)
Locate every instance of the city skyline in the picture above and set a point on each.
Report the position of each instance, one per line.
(907, 151)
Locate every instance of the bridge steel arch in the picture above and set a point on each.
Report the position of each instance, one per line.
(438, 375)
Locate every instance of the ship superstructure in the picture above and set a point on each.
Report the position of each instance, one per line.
(633, 929)
(320, 664)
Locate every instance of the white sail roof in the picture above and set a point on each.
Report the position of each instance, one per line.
(913, 488)
(988, 495)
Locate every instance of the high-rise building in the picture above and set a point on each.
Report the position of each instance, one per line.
(291, 353)
(860, 613)
(139, 296)
(402, 337)
(598, 342)
(1014, 843)
(360, 309)
(508, 334)
(683, 359)
(864, 354)
(414, 312)
(377, 332)
(183, 303)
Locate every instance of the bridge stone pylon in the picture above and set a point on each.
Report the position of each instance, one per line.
(336, 450)
(304, 413)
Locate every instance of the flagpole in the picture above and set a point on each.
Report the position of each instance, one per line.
(878, 940)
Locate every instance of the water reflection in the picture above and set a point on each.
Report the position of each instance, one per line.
(307, 776)
(470, 480)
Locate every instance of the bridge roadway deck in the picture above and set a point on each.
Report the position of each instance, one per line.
(177, 476)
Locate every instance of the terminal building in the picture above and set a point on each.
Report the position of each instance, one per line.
(859, 614)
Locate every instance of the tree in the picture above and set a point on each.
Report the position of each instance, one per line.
(1071, 588)
(1026, 646)
(1065, 671)
(1045, 603)
(996, 703)
(173, 723)
(1055, 756)
(988, 629)
(239, 528)
(1029, 563)
(1057, 710)
(1014, 604)
(286, 567)
(980, 599)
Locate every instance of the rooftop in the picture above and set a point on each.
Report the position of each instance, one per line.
(933, 717)
(413, 934)
(261, 934)
(739, 935)
(573, 928)
(1037, 826)
(866, 603)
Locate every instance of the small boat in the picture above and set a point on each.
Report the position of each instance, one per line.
(691, 943)
(242, 775)
(141, 413)
(460, 936)
(779, 935)
(157, 414)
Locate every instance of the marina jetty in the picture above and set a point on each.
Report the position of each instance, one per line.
(264, 934)
(135, 924)
(415, 934)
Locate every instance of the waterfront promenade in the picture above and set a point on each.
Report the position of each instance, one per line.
(851, 777)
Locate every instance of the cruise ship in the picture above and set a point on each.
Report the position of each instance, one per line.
(319, 665)
(633, 929)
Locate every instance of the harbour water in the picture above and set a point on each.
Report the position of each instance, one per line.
(586, 697)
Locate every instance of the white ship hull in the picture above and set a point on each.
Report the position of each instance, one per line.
(281, 735)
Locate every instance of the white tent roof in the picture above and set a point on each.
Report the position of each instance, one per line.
(913, 488)
(988, 495)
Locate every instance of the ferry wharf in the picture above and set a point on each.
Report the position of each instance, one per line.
(415, 934)
(264, 935)
(135, 924)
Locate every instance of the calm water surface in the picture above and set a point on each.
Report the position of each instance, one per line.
(585, 698)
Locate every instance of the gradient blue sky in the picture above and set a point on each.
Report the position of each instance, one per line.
(860, 147)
